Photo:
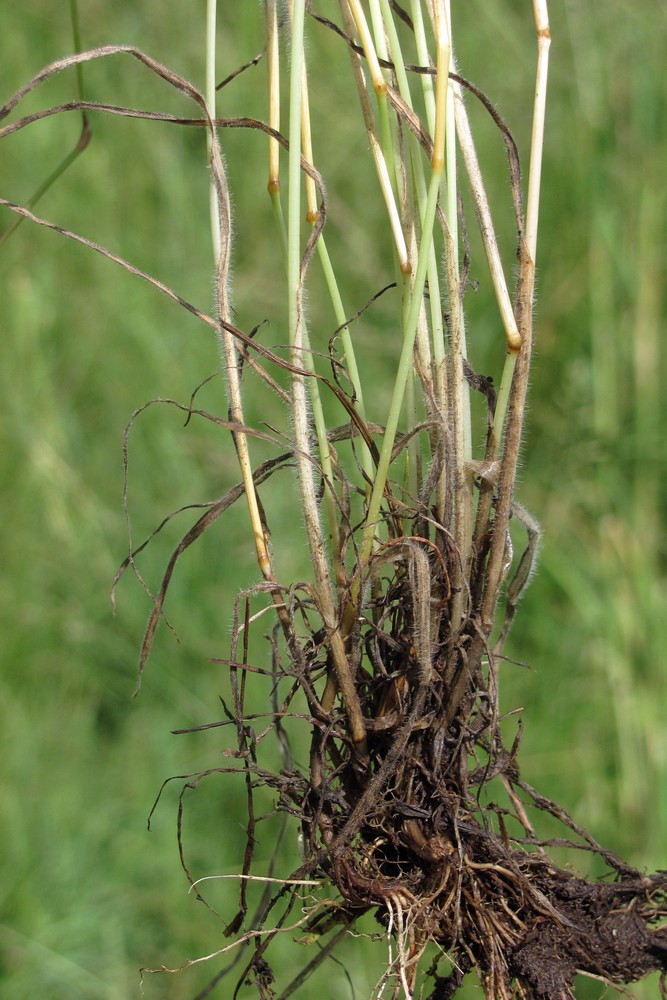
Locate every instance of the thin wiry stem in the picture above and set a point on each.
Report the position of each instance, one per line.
(353, 15)
(539, 114)
(313, 215)
(485, 221)
(305, 464)
(221, 230)
(273, 64)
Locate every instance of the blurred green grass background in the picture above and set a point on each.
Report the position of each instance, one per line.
(87, 895)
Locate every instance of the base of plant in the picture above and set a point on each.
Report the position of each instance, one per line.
(410, 833)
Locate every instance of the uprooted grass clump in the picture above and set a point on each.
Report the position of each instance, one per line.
(411, 804)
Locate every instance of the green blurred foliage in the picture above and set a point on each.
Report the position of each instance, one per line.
(86, 894)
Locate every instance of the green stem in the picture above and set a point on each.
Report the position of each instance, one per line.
(348, 346)
(210, 94)
(404, 368)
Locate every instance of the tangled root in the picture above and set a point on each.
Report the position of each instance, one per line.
(406, 829)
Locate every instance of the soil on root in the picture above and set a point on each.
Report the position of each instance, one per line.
(405, 834)
(443, 875)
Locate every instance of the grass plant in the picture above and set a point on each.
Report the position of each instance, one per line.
(381, 700)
